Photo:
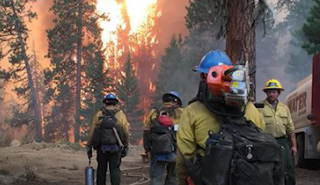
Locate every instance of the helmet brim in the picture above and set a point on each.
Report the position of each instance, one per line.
(279, 89)
(172, 95)
(201, 70)
(106, 99)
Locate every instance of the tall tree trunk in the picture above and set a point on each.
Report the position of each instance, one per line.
(37, 85)
(240, 37)
(37, 114)
(78, 90)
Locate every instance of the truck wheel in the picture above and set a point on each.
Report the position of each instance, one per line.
(299, 160)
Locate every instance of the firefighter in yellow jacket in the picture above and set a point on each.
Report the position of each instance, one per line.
(109, 135)
(279, 124)
(196, 120)
(159, 138)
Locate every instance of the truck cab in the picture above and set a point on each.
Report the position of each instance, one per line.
(304, 105)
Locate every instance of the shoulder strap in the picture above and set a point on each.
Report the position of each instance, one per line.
(193, 100)
(185, 161)
(154, 112)
(107, 112)
(103, 110)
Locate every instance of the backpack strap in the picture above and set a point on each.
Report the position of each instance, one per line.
(110, 112)
(193, 100)
(186, 162)
(157, 112)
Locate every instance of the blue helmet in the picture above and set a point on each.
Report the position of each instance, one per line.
(172, 94)
(213, 58)
(110, 96)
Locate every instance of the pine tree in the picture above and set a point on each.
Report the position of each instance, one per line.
(75, 58)
(22, 113)
(311, 30)
(14, 34)
(144, 60)
(60, 78)
(295, 55)
(129, 94)
(167, 79)
(97, 82)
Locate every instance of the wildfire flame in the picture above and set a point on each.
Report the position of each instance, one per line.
(151, 86)
(130, 27)
(127, 21)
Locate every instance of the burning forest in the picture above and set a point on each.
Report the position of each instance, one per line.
(94, 47)
(60, 58)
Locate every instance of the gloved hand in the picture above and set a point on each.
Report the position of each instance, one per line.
(89, 152)
(124, 151)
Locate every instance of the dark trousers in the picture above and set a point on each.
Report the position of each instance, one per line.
(114, 161)
(289, 167)
(157, 169)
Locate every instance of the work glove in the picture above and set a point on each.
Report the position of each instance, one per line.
(89, 152)
(124, 151)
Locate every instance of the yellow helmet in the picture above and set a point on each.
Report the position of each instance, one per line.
(273, 84)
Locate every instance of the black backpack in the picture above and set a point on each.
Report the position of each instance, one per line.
(160, 139)
(104, 133)
(240, 154)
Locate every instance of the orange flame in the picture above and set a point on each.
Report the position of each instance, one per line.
(152, 87)
(129, 26)
(127, 18)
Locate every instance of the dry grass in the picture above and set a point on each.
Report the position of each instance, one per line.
(4, 172)
(29, 172)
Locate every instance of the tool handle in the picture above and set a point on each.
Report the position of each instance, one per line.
(118, 138)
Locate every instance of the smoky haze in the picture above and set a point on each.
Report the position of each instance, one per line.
(38, 28)
(172, 22)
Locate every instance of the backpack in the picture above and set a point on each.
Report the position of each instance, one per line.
(104, 133)
(240, 154)
(160, 139)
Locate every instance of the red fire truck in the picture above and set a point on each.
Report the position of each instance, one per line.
(304, 104)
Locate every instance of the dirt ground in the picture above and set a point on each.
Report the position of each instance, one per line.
(45, 164)
(36, 164)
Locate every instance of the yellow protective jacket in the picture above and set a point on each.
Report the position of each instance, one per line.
(152, 115)
(121, 121)
(278, 122)
(196, 120)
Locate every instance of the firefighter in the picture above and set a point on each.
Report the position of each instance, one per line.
(197, 120)
(161, 145)
(109, 135)
(279, 124)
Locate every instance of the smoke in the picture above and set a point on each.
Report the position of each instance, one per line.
(269, 51)
(38, 27)
(37, 40)
(270, 56)
(171, 22)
